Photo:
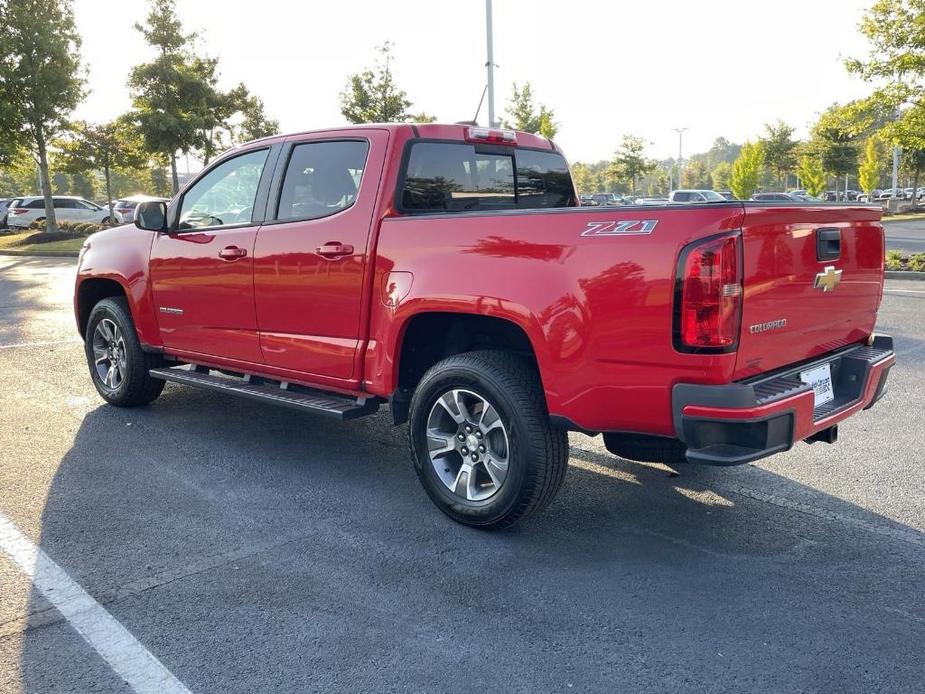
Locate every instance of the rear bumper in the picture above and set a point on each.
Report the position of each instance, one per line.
(741, 422)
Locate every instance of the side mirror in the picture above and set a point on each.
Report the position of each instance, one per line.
(151, 215)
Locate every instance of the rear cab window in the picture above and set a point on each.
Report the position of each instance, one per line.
(464, 177)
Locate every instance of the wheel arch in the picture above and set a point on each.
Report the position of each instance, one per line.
(428, 336)
(90, 292)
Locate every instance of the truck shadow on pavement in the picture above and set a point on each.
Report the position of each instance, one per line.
(257, 549)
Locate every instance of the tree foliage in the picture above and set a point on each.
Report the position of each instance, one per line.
(746, 170)
(629, 162)
(373, 96)
(871, 167)
(101, 147)
(720, 175)
(812, 175)
(41, 80)
(834, 141)
(779, 149)
(525, 115)
(696, 175)
(174, 94)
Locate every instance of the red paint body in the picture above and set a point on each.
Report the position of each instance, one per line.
(597, 309)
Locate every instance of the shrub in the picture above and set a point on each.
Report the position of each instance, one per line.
(897, 260)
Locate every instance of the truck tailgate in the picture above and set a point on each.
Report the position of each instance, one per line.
(813, 279)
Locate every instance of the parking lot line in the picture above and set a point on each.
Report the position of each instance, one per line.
(17, 345)
(113, 642)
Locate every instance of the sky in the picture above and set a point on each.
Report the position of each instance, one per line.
(716, 67)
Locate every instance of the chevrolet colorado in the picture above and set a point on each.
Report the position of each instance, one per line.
(449, 271)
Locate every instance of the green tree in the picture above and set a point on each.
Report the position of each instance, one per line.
(526, 116)
(895, 64)
(372, 96)
(779, 150)
(720, 175)
(41, 80)
(696, 174)
(834, 142)
(871, 166)
(812, 175)
(18, 175)
(102, 147)
(173, 95)
(743, 179)
(629, 162)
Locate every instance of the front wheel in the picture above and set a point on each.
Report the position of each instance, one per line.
(118, 365)
(481, 439)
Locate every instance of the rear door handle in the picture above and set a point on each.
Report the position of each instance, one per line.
(232, 253)
(334, 249)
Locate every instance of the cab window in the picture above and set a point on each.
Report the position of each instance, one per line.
(225, 195)
(322, 178)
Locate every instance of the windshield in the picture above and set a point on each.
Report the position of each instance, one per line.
(713, 196)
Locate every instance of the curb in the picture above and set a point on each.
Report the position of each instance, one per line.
(42, 254)
(904, 275)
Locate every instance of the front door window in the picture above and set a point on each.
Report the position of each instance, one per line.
(224, 196)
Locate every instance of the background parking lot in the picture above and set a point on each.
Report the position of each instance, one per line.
(251, 548)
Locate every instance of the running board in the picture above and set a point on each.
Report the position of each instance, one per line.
(279, 393)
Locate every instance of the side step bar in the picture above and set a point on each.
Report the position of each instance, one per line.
(279, 393)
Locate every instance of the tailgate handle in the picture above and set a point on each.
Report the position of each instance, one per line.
(828, 244)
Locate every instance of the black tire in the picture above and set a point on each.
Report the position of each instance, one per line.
(137, 386)
(537, 454)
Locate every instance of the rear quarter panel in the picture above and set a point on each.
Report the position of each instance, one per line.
(597, 308)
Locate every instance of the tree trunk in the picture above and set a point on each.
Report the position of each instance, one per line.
(51, 224)
(173, 173)
(112, 219)
(915, 189)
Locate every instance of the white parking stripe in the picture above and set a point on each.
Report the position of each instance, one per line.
(41, 344)
(125, 655)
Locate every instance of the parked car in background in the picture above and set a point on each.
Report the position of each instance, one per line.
(728, 194)
(124, 209)
(650, 201)
(4, 203)
(776, 197)
(587, 201)
(67, 209)
(695, 196)
(607, 199)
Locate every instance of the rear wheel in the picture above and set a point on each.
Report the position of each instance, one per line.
(118, 365)
(481, 439)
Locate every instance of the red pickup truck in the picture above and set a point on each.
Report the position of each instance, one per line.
(449, 271)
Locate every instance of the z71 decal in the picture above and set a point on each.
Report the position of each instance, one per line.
(630, 227)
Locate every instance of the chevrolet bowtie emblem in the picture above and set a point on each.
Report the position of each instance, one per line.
(828, 279)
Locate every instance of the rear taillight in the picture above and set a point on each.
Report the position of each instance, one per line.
(17, 210)
(708, 296)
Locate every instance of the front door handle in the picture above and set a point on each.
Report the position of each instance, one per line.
(232, 253)
(334, 249)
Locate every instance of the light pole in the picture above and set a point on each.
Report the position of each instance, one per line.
(491, 66)
(680, 132)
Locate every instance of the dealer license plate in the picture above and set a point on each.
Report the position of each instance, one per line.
(820, 378)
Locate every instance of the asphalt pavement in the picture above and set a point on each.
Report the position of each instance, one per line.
(246, 548)
(906, 235)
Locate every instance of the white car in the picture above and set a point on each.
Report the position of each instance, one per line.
(25, 211)
(695, 196)
(124, 209)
